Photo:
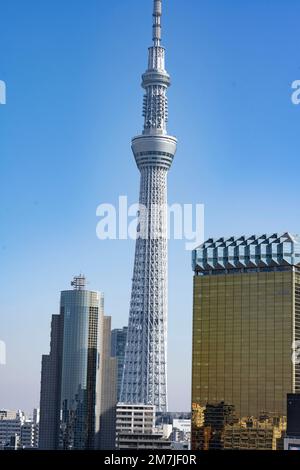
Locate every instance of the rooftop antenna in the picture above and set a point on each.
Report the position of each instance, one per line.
(79, 282)
(157, 12)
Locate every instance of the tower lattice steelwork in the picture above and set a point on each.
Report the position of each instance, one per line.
(145, 368)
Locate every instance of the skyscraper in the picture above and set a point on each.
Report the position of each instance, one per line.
(245, 324)
(145, 369)
(292, 439)
(71, 374)
(118, 344)
(108, 391)
(293, 415)
(51, 388)
(81, 375)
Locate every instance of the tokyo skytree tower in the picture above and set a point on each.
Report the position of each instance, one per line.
(145, 367)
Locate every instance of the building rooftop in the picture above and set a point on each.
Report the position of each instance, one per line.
(255, 251)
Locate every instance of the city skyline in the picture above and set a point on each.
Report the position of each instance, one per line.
(62, 162)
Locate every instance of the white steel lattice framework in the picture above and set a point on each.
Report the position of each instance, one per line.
(145, 367)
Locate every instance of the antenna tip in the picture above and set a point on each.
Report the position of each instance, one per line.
(157, 13)
(157, 8)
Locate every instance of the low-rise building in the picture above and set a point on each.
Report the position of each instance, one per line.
(135, 425)
(17, 431)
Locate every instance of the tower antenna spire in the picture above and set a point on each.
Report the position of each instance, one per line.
(157, 12)
(145, 364)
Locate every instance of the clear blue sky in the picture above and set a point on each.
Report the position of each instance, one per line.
(74, 101)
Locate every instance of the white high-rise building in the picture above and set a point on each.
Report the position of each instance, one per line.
(145, 367)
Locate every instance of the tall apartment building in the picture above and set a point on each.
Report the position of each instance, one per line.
(246, 320)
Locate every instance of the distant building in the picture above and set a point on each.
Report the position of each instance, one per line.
(14, 443)
(10, 428)
(36, 416)
(292, 440)
(246, 317)
(118, 344)
(8, 414)
(28, 435)
(182, 425)
(176, 427)
(168, 417)
(166, 430)
(71, 374)
(36, 421)
(17, 431)
(181, 434)
(50, 394)
(293, 415)
(136, 428)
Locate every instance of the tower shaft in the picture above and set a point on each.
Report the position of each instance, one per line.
(145, 367)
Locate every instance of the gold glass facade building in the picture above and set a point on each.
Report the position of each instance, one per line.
(246, 323)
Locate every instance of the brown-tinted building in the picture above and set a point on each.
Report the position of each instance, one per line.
(246, 320)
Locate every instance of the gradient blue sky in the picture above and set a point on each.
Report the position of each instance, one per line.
(74, 101)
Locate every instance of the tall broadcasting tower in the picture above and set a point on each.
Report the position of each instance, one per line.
(145, 367)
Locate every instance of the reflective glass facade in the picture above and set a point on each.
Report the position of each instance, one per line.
(246, 318)
(81, 375)
(118, 344)
(49, 426)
